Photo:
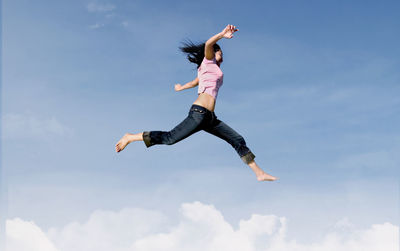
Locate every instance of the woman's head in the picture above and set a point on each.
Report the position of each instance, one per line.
(219, 56)
(195, 52)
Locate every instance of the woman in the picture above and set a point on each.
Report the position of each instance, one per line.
(201, 116)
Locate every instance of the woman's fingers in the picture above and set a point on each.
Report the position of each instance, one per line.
(229, 30)
(177, 87)
(232, 27)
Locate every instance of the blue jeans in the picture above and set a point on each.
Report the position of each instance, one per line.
(199, 118)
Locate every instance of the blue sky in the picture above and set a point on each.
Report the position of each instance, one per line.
(312, 86)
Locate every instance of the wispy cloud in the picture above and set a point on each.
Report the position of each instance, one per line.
(96, 26)
(371, 160)
(125, 23)
(28, 125)
(100, 7)
(201, 227)
(106, 11)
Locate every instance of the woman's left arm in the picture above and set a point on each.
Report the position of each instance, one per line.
(226, 33)
(191, 84)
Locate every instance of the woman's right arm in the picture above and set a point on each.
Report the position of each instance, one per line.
(226, 33)
(191, 84)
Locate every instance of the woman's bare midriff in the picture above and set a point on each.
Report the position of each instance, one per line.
(205, 100)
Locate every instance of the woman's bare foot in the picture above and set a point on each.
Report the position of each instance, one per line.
(266, 177)
(261, 175)
(124, 141)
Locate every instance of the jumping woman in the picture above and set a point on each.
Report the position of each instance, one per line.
(201, 116)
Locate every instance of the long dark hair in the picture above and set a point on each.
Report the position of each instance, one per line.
(195, 52)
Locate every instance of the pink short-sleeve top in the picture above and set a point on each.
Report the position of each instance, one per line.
(210, 77)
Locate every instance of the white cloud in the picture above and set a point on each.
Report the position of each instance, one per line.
(26, 236)
(17, 125)
(99, 7)
(107, 230)
(201, 227)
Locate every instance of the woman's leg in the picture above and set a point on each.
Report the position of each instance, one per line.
(191, 124)
(223, 131)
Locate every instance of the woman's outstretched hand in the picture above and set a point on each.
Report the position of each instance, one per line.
(178, 87)
(228, 31)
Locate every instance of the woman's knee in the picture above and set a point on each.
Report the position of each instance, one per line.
(169, 139)
(238, 141)
(171, 142)
(239, 144)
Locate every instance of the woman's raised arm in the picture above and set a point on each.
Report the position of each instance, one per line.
(226, 33)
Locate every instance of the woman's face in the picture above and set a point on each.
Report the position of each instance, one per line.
(219, 57)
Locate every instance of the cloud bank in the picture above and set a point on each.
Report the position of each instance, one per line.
(201, 227)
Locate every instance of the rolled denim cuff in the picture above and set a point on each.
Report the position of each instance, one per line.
(248, 157)
(147, 139)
